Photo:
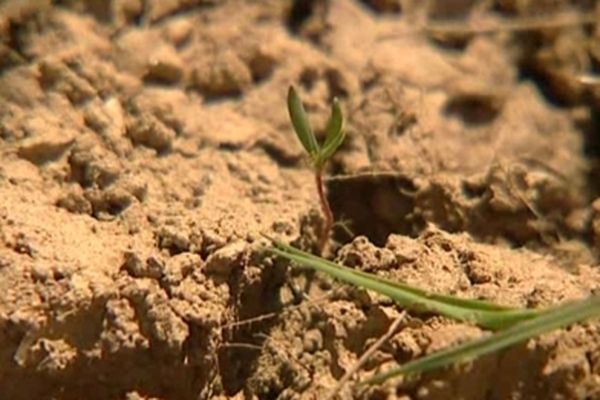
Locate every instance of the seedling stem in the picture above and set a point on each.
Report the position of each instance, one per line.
(319, 154)
(326, 209)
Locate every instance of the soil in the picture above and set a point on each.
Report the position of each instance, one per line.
(146, 149)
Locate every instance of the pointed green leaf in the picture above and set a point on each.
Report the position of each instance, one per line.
(467, 303)
(334, 133)
(334, 126)
(301, 123)
(482, 313)
(549, 320)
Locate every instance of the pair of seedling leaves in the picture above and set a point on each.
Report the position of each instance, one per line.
(511, 325)
(334, 135)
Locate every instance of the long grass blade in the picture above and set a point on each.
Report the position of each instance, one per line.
(549, 320)
(482, 313)
(468, 303)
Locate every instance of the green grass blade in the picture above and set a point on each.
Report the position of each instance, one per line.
(301, 124)
(467, 303)
(334, 134)
(481, 313)
(549, 320)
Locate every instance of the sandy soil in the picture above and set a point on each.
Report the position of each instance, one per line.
(145, 147)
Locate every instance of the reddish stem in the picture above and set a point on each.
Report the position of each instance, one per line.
(326, 209)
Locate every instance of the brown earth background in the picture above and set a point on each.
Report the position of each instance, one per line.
(145, 147)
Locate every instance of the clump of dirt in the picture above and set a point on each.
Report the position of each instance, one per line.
(146, 150)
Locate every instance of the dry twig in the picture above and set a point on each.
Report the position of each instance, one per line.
(365, 356)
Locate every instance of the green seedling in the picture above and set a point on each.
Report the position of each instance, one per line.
(513, 325)
(318, 154)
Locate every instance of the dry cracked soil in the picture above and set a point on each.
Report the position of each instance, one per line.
(145, 149)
